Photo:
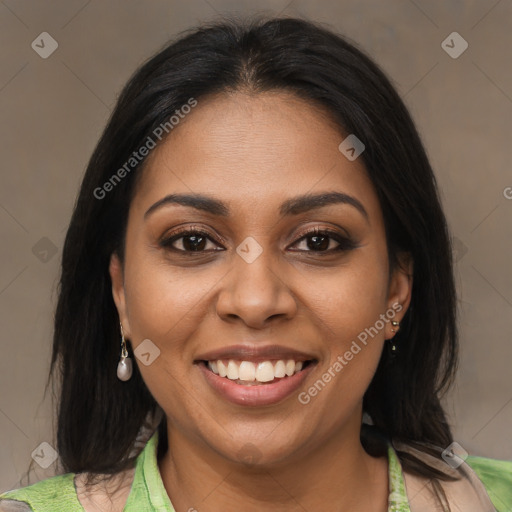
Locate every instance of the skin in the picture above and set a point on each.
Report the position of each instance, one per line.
(254, 151)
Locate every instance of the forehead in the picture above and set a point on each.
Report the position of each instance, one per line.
(254, 149)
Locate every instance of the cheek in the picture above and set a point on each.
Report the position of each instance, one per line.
(352, 298)
(164, 306)
(164, 303)
(350, 310)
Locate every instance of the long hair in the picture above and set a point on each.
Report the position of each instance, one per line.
(98, 415)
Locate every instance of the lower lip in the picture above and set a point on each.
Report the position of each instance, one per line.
(257, 395)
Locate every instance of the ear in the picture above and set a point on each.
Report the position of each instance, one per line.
(400, 288)
(118, 292)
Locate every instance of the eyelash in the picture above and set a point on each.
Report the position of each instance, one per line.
(345, 244)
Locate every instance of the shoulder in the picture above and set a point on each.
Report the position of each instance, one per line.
(496, 475)
(492, 469)
(58, 489)
(474, 484)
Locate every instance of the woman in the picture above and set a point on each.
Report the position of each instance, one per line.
(260, 226)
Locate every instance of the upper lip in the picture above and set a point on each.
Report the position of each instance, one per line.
(255, 353)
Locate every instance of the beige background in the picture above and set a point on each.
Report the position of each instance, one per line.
(53, 111)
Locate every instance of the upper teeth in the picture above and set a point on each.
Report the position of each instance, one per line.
(265, 371)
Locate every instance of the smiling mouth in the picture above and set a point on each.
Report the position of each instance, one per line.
(248, 373)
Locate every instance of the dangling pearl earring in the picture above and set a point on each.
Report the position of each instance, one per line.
(124, 367)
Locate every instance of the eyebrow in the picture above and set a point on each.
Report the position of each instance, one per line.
(292, 206)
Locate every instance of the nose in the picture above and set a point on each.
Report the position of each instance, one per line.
(255, 293)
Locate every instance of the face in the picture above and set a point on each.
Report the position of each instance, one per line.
(272, 275)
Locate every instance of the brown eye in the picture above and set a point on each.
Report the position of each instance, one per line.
(319, 240)
(192, 240)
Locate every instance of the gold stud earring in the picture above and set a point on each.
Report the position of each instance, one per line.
(392, 347)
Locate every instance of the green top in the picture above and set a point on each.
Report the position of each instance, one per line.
(147, 494)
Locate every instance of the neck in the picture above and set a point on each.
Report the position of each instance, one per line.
(336, 471)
